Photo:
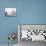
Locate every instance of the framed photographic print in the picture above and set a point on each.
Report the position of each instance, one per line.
(10, 11)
